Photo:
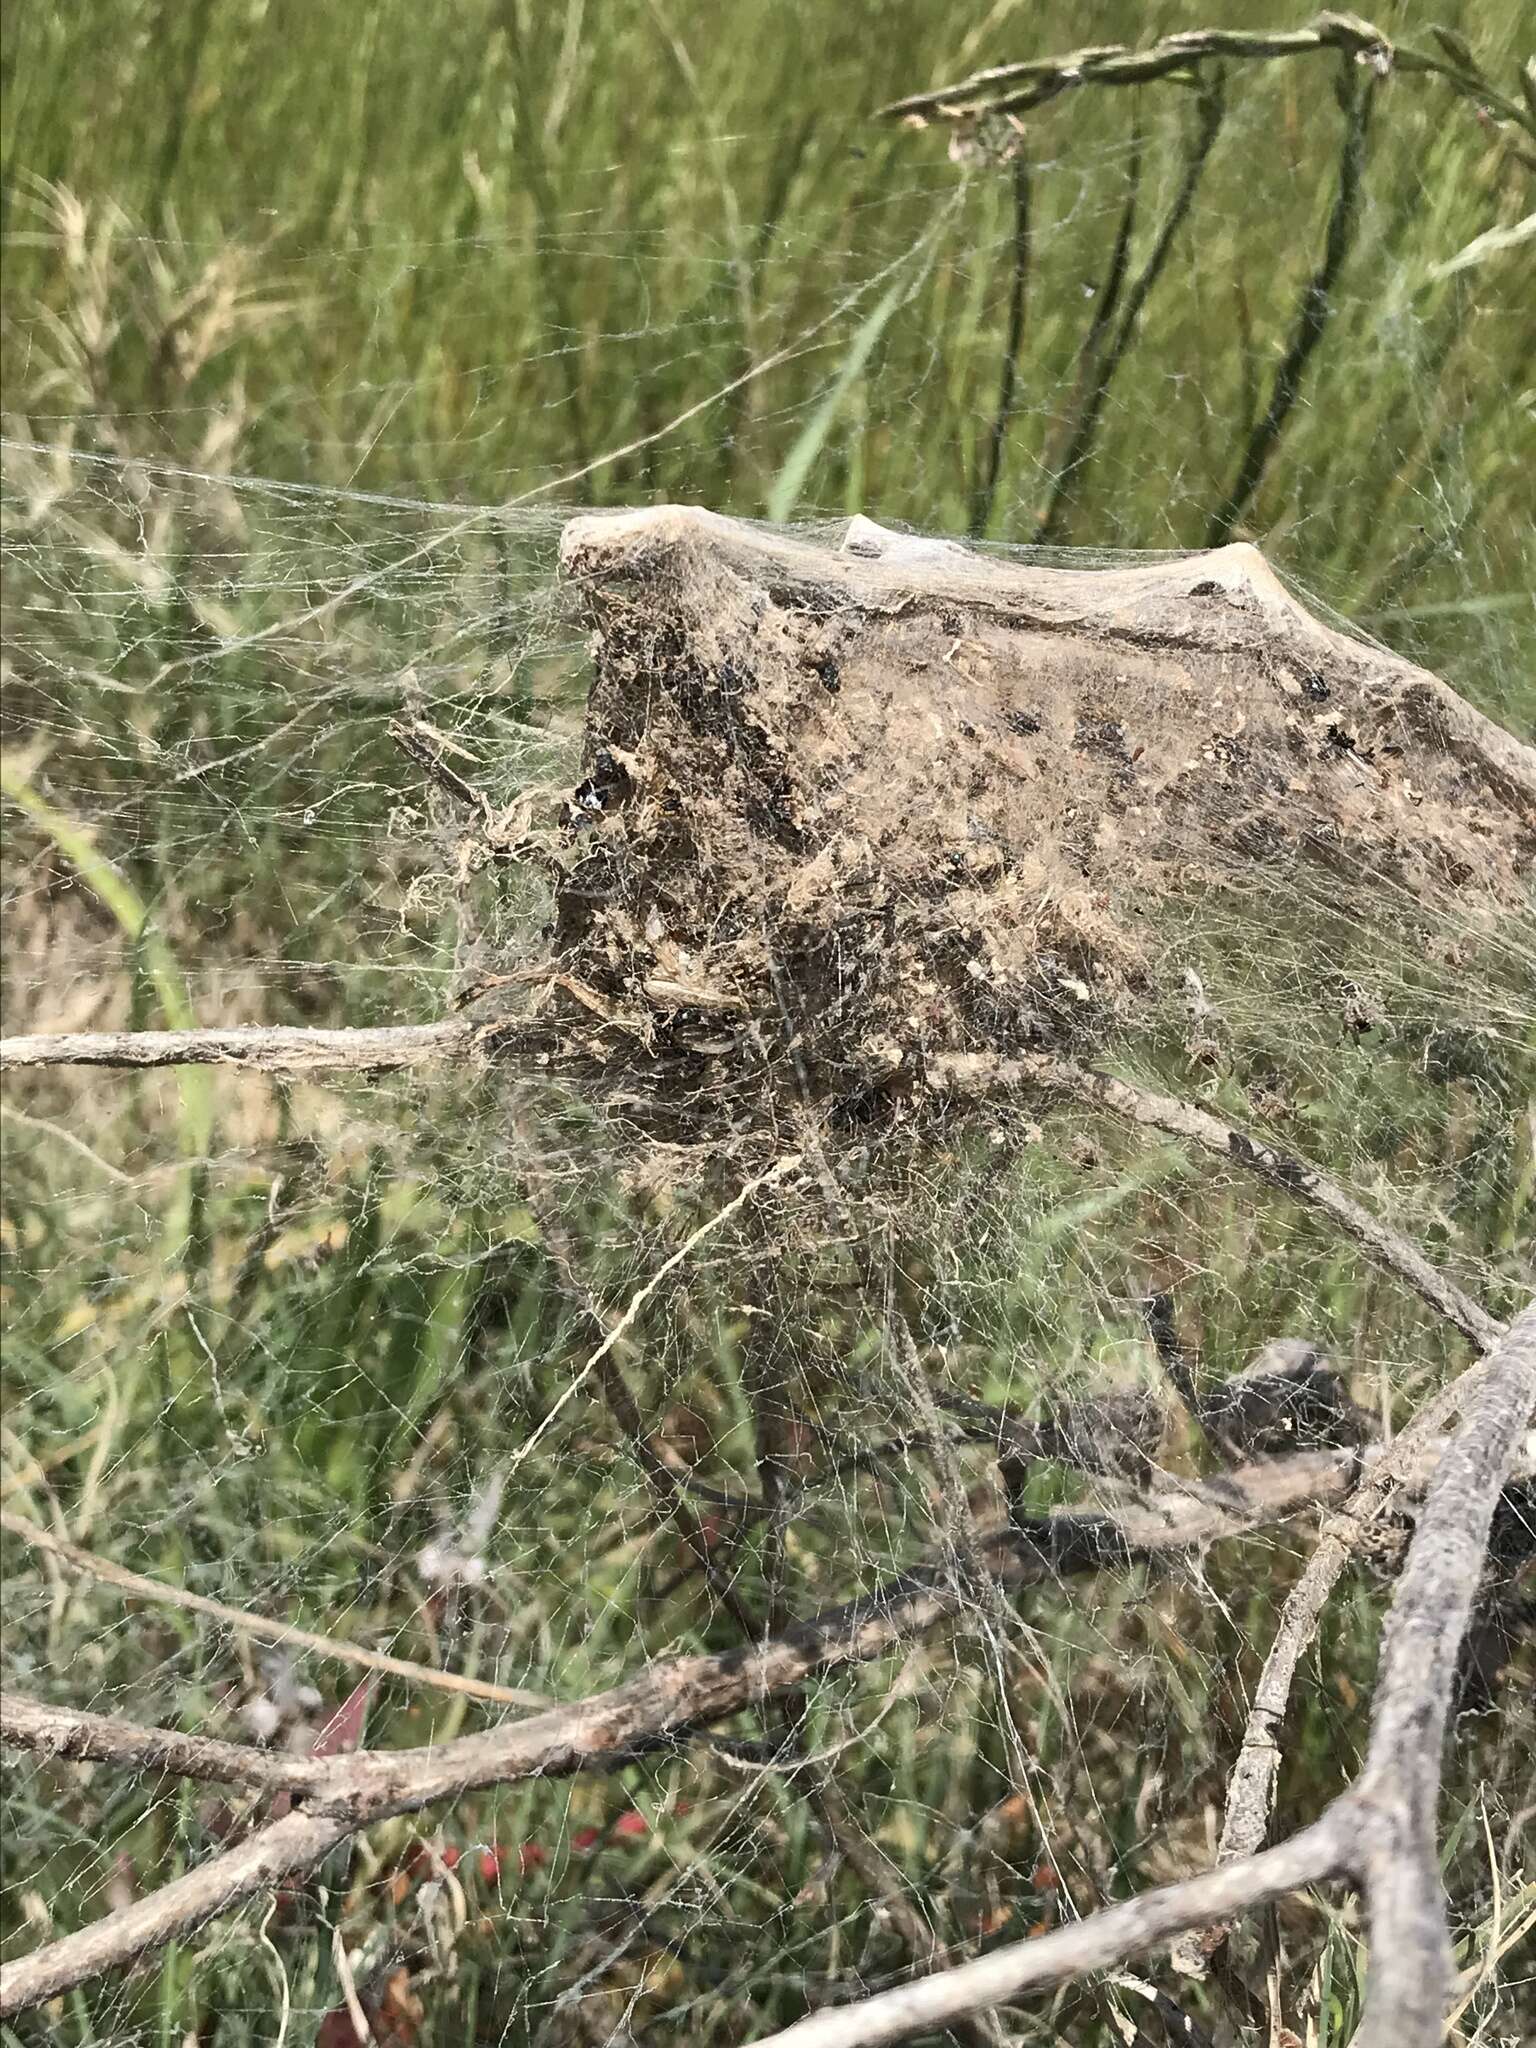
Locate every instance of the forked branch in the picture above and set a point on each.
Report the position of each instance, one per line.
(282, 1049)
(1251, 1788)
(1380, 1834)
(661, 1705)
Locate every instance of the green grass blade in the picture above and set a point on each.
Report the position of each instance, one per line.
(791, 479)
(118, 896)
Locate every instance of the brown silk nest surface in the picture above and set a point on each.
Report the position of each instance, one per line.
(849, 808)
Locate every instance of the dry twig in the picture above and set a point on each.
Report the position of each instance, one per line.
(276, 1049)
(1251, 1787)
(270, 1048)
(1380, 1834)
(1097, 1943)
(657, 1707)
(1019, 88)
(960, 1074)
(261, 1626)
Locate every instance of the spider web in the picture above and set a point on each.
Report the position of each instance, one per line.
(308, 1351)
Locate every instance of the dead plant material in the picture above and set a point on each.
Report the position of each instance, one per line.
(849, 812)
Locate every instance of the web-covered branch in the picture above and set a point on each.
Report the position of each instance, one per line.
(672, 1698)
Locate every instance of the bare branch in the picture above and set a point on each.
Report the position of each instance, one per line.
(1017, 88)
(605, 1731)
(665, 1702)
(269, 1048)
(1406, 2003)
(48, 1732)
(282, 1049)
(1381, 1833)
(1097, 1943)
(962, 1074)
(295, 1843)
(1251, 1788)
(259, 1625)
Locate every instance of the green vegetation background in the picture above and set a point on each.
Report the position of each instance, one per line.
(493, 242)
(263, 1343)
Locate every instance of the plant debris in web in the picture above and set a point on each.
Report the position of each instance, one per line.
(848, 810)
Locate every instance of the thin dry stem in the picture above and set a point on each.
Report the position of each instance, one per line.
(70, 1733)
(1097, 1943)
(963, 1074)
(1018, 88)
(1251, 1788)
(657, 1706)
(260, 1626)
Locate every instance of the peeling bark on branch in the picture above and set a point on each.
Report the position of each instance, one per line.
(70, 1733)
(1397, 1859)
